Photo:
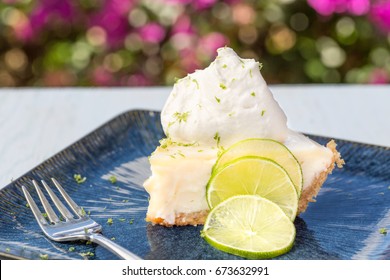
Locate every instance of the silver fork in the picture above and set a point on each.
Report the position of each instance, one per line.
(77, 226)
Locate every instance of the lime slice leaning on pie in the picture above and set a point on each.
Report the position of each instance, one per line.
(266, 148)
(256, 176)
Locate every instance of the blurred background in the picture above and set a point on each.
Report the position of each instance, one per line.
(150, 42)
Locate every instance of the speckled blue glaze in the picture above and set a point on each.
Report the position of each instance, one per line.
(343, 224)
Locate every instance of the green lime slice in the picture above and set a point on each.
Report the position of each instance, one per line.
(249, 226)
(266, 148)
(253, 175)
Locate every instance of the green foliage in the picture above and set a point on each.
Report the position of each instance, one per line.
(71, 43)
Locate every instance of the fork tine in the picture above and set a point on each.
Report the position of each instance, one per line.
(34, 208)
(53, 218)
(61, 207)
(77, 209)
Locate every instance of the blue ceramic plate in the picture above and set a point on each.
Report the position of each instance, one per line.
(344, 223)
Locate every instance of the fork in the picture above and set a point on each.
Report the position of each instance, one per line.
(77, 226)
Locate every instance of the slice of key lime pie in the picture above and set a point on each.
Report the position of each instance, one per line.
(206, 113)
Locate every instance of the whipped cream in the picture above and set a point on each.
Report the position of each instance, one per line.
(227, 102)
(313, 157)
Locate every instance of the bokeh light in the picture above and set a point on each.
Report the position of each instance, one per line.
(151, 42)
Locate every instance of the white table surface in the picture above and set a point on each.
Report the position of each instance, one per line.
(37, 123)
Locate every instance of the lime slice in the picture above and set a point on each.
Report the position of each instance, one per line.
(253, 175)
(266, 148)
(249, 226)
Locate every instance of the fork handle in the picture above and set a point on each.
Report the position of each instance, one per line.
(112, 246)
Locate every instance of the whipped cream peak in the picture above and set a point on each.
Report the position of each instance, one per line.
(226, 102)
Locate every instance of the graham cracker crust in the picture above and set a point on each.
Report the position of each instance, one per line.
(309, 194)
(181, 219)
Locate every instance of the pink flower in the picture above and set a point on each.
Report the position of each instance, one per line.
(189, 60)
(101, 77)
(24, 31)
(203, 4)
(183, 25)
(120, 7)
(138, 80)
(152, 32)
(209, 43)
(112, 17)
(183, 33)
(380, 15)
(379, 76)
(329, 7)
(42, 15)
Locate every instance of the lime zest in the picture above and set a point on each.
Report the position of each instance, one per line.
(181, 117)
(79, 179)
